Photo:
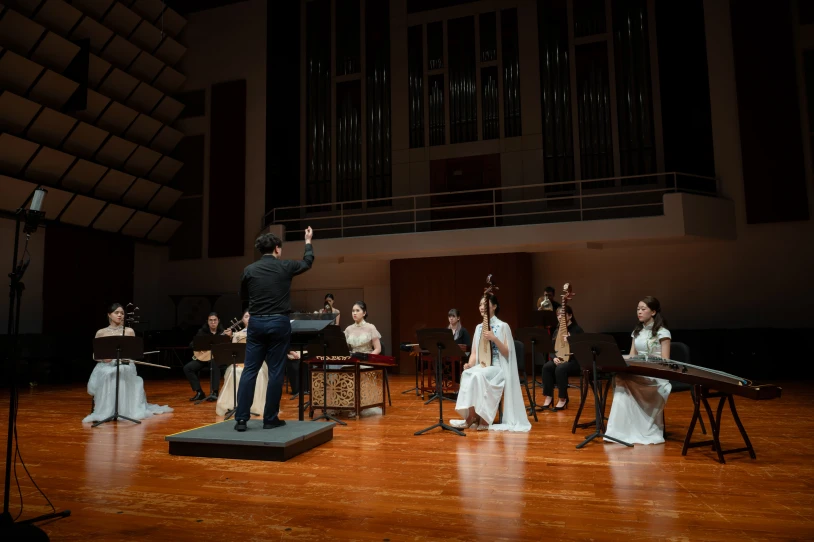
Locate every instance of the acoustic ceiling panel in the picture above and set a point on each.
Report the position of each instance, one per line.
(115, 152)
(146, 66)
(18, 32)
(81, 211)
(166, 140)
(116, 118)
(83, 176)
(113, 185)
(48, 166)
(164, 200)
(120, 51)
(53, 90)
(144, 99)
(140, 224)
(143, 130)
(97, 8)
(58, 16)
(157, 12)
(165, 170)
(146, 36)
(90, 29)
(142, 161)
(149, 9)
(170, 80)
(55, 202)
(171, 52)
(140, 193)
(96, 105)
(15, 153)
(121, 20)
(15, 192)
(15, 112)
(172, 22)
(85, 140)
(164, 230)
(17, 73)
(26, 7)
(97, 69)
(112, 218)
(51, 127)
(55, 52)
(119, 85)
(168, 110)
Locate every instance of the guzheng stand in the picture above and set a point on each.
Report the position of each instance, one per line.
(440, 340)
(535, 340)
(205, 343)
(117, 347)
(592, 349)
(305, 329)
(236, 352)
(333, 344)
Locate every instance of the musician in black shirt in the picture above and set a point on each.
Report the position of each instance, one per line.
(557, 371)
(265, 290)
(191, 369)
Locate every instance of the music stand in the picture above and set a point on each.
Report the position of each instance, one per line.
(332, 342)
(117, 347)
(206, 343)
(441, 340)
(439, 361)
(236, 352)
(532, 337)
(408, 347)
(592, 349)
(302, 332)
(329, 318)
(547, 319)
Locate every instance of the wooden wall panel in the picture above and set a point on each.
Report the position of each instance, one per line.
(424, 289)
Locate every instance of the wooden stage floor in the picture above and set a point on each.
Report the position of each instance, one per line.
(376, 481)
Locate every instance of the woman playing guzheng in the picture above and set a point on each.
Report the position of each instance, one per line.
(637, 413)
(363, 337)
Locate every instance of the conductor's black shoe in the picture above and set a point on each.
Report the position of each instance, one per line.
(212, 398)
(272, 425)
(199, 395)
(240, 426)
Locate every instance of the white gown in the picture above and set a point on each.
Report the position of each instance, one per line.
(102, 386)
(482, 387)
(637, 412)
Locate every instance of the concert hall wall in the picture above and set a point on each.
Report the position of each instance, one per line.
(423, 290)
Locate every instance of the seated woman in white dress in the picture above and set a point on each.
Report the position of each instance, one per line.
(483, 382)
(226, 398)
(363, 337)
(102, 382)
(637, 413)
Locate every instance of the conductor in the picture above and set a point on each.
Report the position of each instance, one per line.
(266, 288)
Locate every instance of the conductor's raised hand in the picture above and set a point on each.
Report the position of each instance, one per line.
(309, 233)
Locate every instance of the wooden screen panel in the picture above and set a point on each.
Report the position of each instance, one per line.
(227, 169)
(455, 282)
(769, 113)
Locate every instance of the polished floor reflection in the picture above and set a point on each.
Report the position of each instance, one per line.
(376, 481)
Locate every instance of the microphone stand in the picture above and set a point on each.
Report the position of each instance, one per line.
(9, 529)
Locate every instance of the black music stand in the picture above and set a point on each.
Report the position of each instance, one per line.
(304, 329)
(304, 316)
(236, 352)
(333, 344)
(600, 350)
(440, 362)
(547, 319)
(408, 347)
(117, 347)
(442, 340)
(206, 343)
(532, 337)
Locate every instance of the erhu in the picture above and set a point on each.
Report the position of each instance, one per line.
(484, 346)
(562, 349)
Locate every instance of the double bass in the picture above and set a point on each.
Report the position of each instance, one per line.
(484, 346)
(562, 349)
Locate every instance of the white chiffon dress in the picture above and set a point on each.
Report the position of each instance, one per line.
(637, 412)
(226, 397)
(360, 339)
(102, 386)
(482, 387)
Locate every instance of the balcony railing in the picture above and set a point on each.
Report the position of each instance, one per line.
(573, 201)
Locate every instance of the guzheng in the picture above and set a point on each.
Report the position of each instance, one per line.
(708, 384)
